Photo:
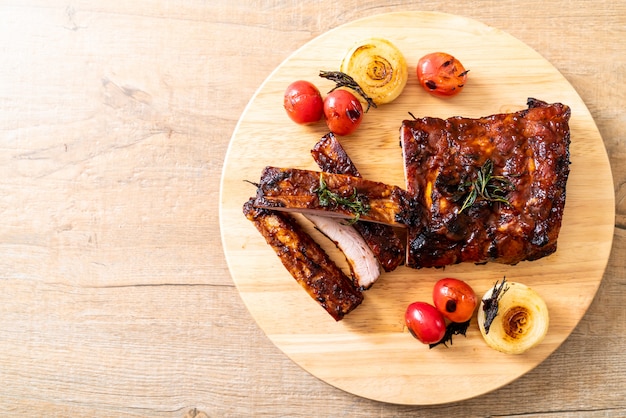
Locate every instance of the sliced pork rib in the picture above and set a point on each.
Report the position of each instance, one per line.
(339, 195)
(382, 239)
(307, 262)
(526, 155)
(363, 265)
(331, 157)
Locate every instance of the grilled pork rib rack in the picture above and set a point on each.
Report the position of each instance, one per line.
(489, 189)
(529, 155)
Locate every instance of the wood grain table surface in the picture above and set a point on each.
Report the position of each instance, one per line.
(115, 296)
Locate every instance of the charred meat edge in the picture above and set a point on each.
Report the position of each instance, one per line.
(306, 261)
(382, 239)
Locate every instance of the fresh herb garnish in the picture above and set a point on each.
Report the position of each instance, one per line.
(342, 79)
(257, 185)
(487, 187)
(353, 203)
(490, 305)
(453, 328)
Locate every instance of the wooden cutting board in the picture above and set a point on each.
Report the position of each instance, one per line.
(370, 353)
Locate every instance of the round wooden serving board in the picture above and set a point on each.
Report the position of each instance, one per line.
(370, 352)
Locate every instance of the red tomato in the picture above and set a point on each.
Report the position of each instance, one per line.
(343, 112)
(425, 322)
(455, 299)
(303, 102)
(441, 74)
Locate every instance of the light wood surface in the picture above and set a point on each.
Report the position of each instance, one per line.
(370, 353)
(115, 295)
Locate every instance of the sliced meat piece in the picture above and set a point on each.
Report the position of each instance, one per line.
(363, 264)
(383, 240)
(339, 195)
(529, 154)
(331, 157)
(385, 243)
(307, 262)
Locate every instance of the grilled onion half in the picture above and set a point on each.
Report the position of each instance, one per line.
(378, 67)
(521, 322)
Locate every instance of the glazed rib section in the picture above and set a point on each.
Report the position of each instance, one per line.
(340, 195)
(307, 262)
(493, 188)
(331, 157)
(382, 239)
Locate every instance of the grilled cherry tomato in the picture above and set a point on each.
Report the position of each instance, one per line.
(343, 112)
(455, 299)
(441, 74)
(425, 322)
(303, 102)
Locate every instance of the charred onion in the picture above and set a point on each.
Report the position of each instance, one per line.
(521, 320)
(378, 67)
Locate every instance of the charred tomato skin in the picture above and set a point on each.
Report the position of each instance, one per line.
(425, 322)
(303, 102)
(441, 74)
(455, 299)
(343, 112)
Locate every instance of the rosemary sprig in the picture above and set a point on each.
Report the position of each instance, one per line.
(453, 328)
(342, 79)
(487, 187)
(490, 305)
(353, 203)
